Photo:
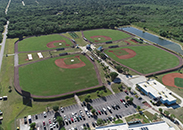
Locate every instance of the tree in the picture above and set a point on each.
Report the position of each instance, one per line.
(138, 108)
(101, 93)
(127, 97)
(97, 92)
(55, 108)
(129, 88)
(88, 98)
(131, 99)
(166, 113)
(100, 121)
(126, 70)
(113, 75)
(119, 68)
(155, 116)
(32, 126)
(160, 110)
(172, 116)
(93, 111)
(102, 55)
(60, 120)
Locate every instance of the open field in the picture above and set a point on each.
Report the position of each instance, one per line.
(22, 57)
(14, 105)
(79, 40)
(40, 43)
(45, 78)
(148, 59)
(114, 34)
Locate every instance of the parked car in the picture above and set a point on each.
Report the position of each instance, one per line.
(121, 100)
(43, 123)
(25, 120)
(108, 108)
(93, 124)
(44, 114)
(104, 109)
(49, 121)
(87, 125)
(62, 109)
(36, 117)
(99, 112)
(72, 120)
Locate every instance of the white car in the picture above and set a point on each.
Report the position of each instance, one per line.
(108, 108)
(88, 114)
(72, 114)
(44, 113)
(86, 110)
(104, 109)
(82, 127)
(54, 125)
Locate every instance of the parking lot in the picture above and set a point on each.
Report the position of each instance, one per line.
(71, 112)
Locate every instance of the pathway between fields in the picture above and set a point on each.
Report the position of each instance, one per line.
(3, 44)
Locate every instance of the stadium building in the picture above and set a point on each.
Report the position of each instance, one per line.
(156, 91)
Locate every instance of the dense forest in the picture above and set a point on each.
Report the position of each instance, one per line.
(3, 4)
(52, 16)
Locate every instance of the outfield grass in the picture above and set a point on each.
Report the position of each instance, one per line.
(71, 60)
(178, 82)
(45, 78)
(14, 105)
(40, 42)
(148, 59)
(114, 34)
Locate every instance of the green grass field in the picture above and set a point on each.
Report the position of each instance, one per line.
(69, 61)
(120, 52)
(114, 34)
(45, 78)
(178, 82)
(40, 42)
(148, 59)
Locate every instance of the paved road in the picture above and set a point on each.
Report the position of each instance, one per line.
(3, 44)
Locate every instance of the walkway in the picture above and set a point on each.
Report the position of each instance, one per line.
(3, 44)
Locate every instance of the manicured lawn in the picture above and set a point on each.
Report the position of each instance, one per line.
(71, 60)
(178, 113)
(40, 42)
(120, 52)
(115, 87)
(22, 57)
(118, 121)
(45, 78)
(178, 82)
(148, 59)
(114, 34)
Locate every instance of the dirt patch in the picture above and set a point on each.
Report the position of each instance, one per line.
(131, 54)
(51, 44)
(60, 63)
(133, 41)
(99, 36)
(168, 79)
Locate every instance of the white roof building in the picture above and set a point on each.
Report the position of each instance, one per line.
(150, 126)
(155, 89)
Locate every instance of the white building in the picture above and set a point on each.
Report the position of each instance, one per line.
(150, 126)
(156, 90)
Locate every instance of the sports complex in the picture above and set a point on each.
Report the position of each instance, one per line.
(72, 72)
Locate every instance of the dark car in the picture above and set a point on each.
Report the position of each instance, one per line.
(84, 103)
(93, 124)
(113, 107)
(87, 125)
(117, 116)
(36, 117)
(25, 120)
(104, 120)
(118, 106)
(96, 113)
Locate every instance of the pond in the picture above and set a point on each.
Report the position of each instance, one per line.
(155, 39)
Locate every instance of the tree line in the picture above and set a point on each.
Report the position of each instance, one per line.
(46, 17)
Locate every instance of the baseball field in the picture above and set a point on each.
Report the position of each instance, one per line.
(58, 75)
(144, 59)
(45, 42)
(104, 35)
